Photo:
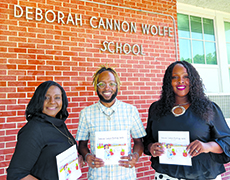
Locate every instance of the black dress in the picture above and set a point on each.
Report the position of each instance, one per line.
(36, 149)
(205, 165)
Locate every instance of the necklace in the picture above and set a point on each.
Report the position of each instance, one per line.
(108, 116)
(71, 142)
(181, 107)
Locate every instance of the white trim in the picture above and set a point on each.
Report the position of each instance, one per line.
(194, 10)
(228, 121)
(218, 94)
(222, 52)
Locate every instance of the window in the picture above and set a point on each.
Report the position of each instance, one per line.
(204, 41)
(227, 37)
(197, 39)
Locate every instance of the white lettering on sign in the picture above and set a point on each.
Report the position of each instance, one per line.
(122, 48)
(49, 15)
(112, 24)
(154, 30)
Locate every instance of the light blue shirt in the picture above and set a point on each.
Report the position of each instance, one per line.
(123, 116)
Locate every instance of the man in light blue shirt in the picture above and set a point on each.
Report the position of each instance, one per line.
(110, 115)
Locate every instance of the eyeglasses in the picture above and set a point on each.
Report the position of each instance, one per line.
(102, 85)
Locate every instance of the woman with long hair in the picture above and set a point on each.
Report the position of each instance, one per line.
(183, 106)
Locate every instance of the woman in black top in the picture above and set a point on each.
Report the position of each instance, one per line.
(183, 106)
(44, 136)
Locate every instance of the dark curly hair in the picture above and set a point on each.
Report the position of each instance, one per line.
(36, 103)
(200, 104)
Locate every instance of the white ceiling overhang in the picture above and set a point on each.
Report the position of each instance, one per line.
(218, 5)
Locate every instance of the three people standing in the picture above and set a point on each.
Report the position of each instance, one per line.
(182, 106)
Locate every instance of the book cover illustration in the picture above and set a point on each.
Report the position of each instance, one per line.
(175, 144)
(67, 164)
(111, 145)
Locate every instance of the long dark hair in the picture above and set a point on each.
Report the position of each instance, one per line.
(200, 104)
(36, 103)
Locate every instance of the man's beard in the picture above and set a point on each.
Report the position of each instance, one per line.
(109, 100)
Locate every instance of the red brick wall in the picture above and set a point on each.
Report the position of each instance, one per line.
(35, 51)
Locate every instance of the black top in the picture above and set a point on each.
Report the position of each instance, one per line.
(205, 165)
(37, 146)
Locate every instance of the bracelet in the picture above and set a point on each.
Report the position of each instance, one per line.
(87, 155)
(137, 155)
